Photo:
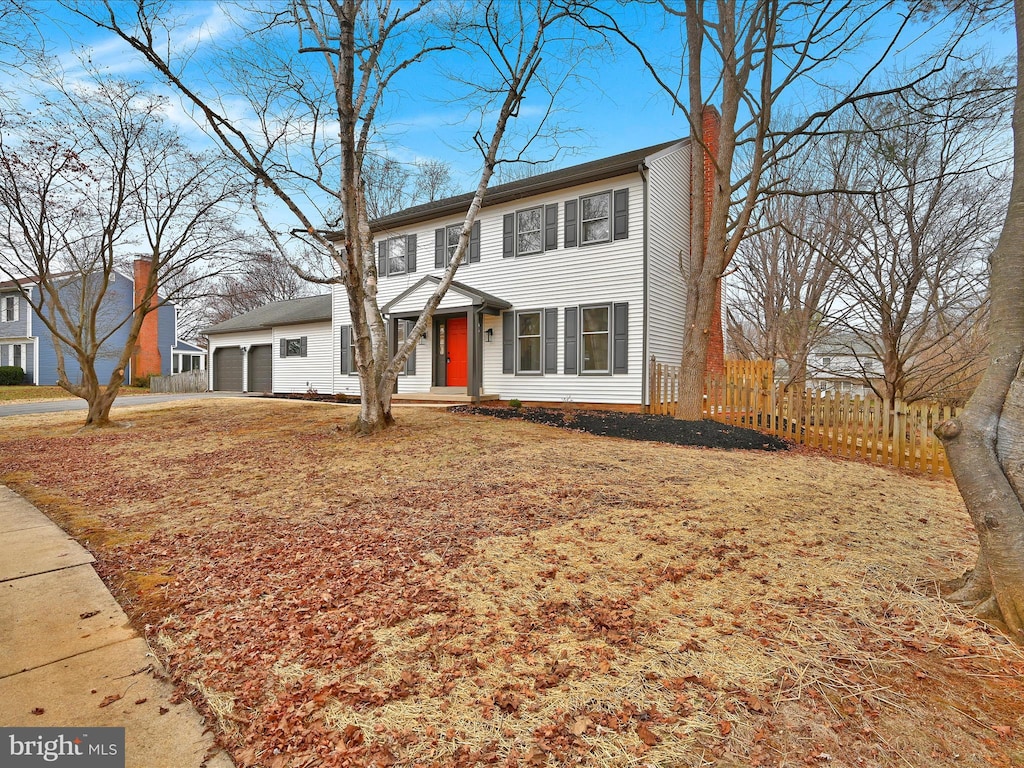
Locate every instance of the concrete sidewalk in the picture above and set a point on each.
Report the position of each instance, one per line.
(66, 649)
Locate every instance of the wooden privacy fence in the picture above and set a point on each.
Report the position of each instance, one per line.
(190, 381)
(852, 426)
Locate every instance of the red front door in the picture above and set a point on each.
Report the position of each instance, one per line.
(456, 361)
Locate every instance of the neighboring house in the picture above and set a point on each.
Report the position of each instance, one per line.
(187, 357)
(284, 346)
(573, 279)
(842, 363)
(25, 340)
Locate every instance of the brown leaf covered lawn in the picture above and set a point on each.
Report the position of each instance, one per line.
(464, 591)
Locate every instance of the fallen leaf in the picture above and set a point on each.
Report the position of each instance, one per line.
(110, 699)
(141, 701)
(88, 615)
(725, 727)
(38, 711)
(580, 726)
(1004, 731)
(647, 736)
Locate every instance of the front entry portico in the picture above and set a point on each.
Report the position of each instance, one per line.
(456, 339)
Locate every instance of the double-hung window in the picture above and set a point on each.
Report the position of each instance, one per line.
(596, 337)
(451, 234)
(596, 218)
(530, 231)
(10, 309)
(529, 343)
(396, 255)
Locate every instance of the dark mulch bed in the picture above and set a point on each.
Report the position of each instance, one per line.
(635, 426)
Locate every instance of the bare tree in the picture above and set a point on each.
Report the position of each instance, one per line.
(748, 57)
(785, 278)
(89, 176)
(985, 444)
(261, 278)
(315, 75)
(932, 167)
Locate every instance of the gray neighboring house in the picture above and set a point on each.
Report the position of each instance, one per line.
(284, 346)
(841, 363)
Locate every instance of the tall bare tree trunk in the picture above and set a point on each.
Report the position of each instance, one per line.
(985, 445)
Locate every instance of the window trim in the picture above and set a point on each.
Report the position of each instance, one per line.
(583, 242)
(540, 342)
(387, 255)
(451, 247)
(539, 231)
(582, 371)
(10, 315)
(297, 341)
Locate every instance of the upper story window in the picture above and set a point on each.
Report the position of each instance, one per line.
(529, 231)
(396, 252)
(595, 217)
(396, 256)
(9, 309)
(451, 234)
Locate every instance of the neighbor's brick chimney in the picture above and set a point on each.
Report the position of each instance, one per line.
(146, 360)
(711, 123)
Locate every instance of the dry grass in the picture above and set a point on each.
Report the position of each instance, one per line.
(24, 394)
(461, 591)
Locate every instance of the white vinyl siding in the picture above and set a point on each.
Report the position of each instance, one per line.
(668, 247)
(314, 371)
(599, 271)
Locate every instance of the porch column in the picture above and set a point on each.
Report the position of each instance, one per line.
(474, 353)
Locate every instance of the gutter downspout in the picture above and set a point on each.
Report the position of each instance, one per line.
(644, 372)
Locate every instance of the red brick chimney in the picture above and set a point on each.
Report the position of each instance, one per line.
(146, 360)
(711, 123)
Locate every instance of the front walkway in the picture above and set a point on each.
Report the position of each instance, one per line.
(69, 657)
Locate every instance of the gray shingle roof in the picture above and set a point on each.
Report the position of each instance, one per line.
(291, 312)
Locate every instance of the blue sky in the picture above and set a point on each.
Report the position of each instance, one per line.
(616, 108)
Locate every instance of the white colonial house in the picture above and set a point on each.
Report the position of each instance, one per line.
(573, 280)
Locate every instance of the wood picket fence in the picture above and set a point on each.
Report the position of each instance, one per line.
(189, 381)
(843, 424)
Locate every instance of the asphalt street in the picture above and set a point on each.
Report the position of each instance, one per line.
(77, 404)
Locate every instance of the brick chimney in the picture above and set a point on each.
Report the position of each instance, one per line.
(146, 361)
(711, 123)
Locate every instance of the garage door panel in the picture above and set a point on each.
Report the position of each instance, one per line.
(261, 368)
(227, 369)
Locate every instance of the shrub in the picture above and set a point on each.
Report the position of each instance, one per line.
(515, 404)
(11, 375)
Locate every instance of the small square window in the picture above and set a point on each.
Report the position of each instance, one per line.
(595, 218)
(293, 348)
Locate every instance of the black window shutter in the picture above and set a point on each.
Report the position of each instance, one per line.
(410, 253)
(551, 227)
(508, 342)
(571, 336)
(621, 209)
(302, 346)
(439, 249)
(382, 258)
(410, 363)
(284, 347)
(569, 238)
(346, 346)
(551, 340)
(620, 340)
(508, 236)
(474, 243)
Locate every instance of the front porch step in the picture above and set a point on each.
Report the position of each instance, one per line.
(458, 395)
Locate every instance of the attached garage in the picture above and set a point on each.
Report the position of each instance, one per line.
(261, 368)
(227, 369)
